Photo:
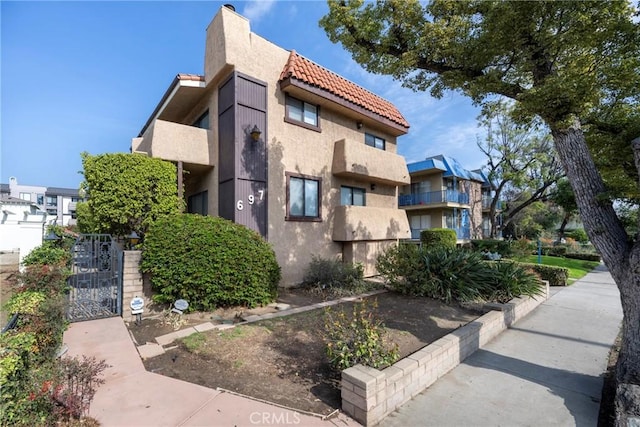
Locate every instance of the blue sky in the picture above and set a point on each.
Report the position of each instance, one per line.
(85, 76)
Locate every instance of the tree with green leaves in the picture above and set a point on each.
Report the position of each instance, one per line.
(563, 196)
(125, 193)
(568, 63)
(522, 163)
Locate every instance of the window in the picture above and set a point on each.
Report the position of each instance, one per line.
(351, 196)
(40, 199)
(302, 113)
(25, 196)
(203, 121)
(52, 200)
(374, 141)
(303, 198)
(199, 203)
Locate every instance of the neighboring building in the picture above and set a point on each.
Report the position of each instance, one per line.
(273, 141)
(22, 224)
(443, 194)
(60, 203)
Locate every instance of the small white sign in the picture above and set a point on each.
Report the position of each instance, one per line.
(137, 304)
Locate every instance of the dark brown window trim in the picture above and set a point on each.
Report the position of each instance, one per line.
(287, 119)
(288, 217)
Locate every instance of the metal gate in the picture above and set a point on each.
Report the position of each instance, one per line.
(96, 278)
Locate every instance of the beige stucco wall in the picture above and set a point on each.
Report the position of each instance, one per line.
(291, 149)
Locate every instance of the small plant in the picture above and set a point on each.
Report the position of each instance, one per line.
(357, 339)
(173, 319)
(79, 381)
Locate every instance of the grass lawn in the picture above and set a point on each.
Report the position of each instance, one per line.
(577, 267)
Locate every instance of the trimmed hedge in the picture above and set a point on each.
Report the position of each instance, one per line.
(439, 237)
(492, 245)
(557, 276)
(584, 257)
(210, 262)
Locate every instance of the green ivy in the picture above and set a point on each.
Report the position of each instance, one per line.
(210, 262)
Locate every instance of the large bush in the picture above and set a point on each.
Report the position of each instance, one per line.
(502, 247)
(126, 192)
(454, 275)
(210, 262)
(439, 238)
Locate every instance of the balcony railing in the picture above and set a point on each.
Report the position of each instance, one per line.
(486, 203)
(462, 233)
(433, 197)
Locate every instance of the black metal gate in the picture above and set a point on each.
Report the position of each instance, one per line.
(96, 278)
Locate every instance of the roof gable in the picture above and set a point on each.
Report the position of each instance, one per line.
(312, 74)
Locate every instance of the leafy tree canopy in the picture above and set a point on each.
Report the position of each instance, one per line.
(126, 192)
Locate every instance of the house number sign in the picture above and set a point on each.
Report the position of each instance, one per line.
(251, 199)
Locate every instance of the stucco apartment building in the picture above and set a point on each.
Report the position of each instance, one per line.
(443, 194)
(273, 141)
(59, 203)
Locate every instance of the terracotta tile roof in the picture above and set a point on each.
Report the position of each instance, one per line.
(193, 77)
(304, 70)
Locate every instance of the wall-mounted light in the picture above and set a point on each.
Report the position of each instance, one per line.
(51, 237)
(359, 124)
(255, 133)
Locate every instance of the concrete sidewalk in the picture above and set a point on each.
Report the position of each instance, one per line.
(544, 371)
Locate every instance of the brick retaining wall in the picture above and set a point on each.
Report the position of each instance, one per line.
(369, 395)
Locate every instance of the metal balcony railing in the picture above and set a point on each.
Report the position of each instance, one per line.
(434, 197)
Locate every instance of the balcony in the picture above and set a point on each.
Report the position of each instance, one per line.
(358, 161)
(462, 233)
(175, 142)
(357, 223)
(486, 203)
(441, 198)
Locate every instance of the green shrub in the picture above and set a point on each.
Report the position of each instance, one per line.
(333, 273)
(493, 246)
(48, 279)
(557, 276)
(579, 235)
(210, 262)
(510, 280)
(583, 256)
(445, 274)
(357, 339)
(46, 254)
(558, 251)
(402, 267)
(522, 248)
(439, 237)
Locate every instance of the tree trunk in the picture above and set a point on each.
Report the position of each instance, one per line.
(565, 221)
(621, 258)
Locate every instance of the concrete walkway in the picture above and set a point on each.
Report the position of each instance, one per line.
(545, 371)
(131, 396)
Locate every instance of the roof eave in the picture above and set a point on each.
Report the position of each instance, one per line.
(292, 81)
